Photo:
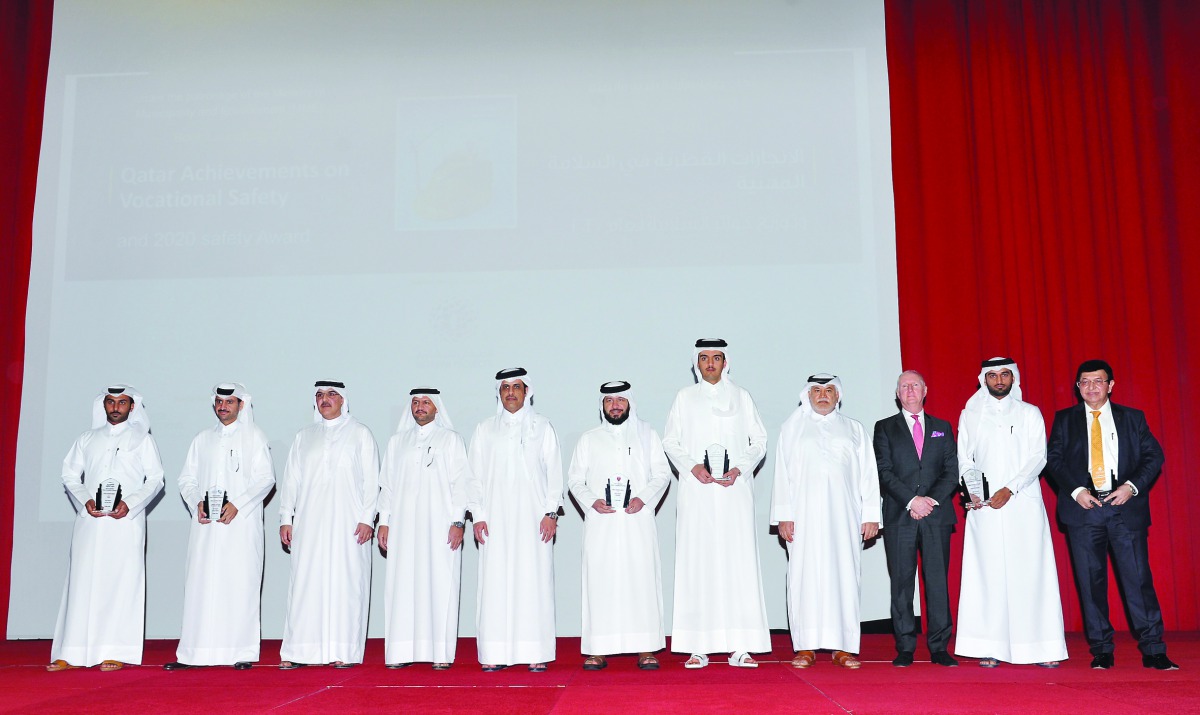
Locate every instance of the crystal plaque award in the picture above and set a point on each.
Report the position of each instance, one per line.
(616, 492)
(1095, 491)
(108, 496)
(716, 461)
(975, 484)
(215, 499)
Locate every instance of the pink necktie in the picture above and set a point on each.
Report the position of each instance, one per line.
(918, 435)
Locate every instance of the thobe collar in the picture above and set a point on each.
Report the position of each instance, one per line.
(719, 395)
(1000, 405)
(227, 429)
(507, 417)
(624, 431)
(336, 421)
(114, 430)
(819, 418)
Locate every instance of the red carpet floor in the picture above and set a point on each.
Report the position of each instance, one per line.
(775, 687)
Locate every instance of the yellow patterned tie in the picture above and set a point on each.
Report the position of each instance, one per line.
(1098, 476)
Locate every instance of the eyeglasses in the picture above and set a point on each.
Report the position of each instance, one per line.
(1092, 383)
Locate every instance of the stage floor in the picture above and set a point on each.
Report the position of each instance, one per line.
(775, 687)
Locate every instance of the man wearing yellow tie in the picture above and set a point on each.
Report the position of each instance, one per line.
(1103, 460)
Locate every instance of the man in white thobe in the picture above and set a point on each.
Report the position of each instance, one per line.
(1008, 607)
(422, 502)
(618, 474)
(226, 475)
(514, 495)
(716, 439)
(826, 503)
(326, 509)
(101, 620)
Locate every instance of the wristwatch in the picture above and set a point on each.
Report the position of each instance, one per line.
(459, 524)
(553, 515)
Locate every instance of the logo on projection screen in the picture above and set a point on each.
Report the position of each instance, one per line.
(456, 163)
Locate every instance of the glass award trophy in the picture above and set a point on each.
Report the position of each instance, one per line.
(975, 484)
(1095, 490)
(215, 499)
(716, 461)
(616, 492)
(108, 496)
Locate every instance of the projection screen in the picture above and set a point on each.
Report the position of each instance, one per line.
(397, 194)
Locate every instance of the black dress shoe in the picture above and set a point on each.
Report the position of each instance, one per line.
(941, 657)
(241, 665)
(1103, 661)
(1158, 661)
(176, 665)
(903, 659)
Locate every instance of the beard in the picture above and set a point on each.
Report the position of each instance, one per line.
(616, 421)
(999, 391)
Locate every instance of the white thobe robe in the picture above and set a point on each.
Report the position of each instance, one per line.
(827, 482)
(103, 611)
(330, 485)
(222, 593)
(622, 581)
(1009, 606)
(516, 479)
(719, 604)
(423, 488)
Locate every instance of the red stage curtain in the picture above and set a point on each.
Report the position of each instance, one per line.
(24, 54)
(1046, 164)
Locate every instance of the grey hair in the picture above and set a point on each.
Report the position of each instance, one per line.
(909, 372)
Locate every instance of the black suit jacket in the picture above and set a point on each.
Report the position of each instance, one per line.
(1139, 460)
(903, 476)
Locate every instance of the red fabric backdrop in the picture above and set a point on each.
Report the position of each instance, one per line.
(24, 54)
(1047, 179)
(1046, 164)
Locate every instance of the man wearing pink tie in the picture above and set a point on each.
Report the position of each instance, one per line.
(918, 475)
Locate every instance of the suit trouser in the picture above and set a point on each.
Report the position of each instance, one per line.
(901, 543)
(1090, 544)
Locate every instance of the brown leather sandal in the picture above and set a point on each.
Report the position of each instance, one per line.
(60, 665)
(804, 659)
(846, 660)
(646, 661)
(595, 662)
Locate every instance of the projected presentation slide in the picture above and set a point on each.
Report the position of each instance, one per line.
(394, 194)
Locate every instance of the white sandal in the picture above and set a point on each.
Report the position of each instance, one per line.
(697, 661)
(742, 659)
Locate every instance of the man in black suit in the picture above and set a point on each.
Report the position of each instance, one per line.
(918, 476)
(1103, 461)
